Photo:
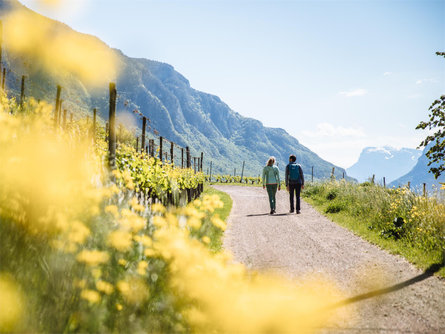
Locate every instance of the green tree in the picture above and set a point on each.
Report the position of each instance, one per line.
(436, 153)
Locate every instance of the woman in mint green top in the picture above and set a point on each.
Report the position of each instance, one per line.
(271, 181)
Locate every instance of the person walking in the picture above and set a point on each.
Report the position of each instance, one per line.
(294, 180)
(271, 181)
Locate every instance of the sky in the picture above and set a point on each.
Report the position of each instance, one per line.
(337, 75)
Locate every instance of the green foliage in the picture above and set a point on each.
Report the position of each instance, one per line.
(436, 152)
(409, 220)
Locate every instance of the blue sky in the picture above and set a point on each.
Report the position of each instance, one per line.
(337, 75)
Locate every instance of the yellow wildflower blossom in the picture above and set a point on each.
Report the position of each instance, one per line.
(105, 287)
(142, 267)
(218, 222)
(78, 233)
(158, 208)
(90, 295)
(159, 221)
(121, 240)
(119, 307)
(122, 262)
(92, 257)
(206, 240)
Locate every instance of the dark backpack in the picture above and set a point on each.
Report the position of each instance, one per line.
(294, 172)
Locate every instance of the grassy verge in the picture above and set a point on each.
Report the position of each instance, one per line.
(215, 235)
(370, 212)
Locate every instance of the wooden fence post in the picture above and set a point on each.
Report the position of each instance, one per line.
(22, 92)
(424, 190)
(343, 175)
(3, 79)
(172, 147)
(242, 172)
(137, 144)
(200, 161)
(182, 157)
(94, 124)
(144, 125)
(189, 163)
(151, 143)
(56, 113)
(160, 148)
(112, 127)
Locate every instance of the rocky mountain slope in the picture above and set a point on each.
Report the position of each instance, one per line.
(176, 110)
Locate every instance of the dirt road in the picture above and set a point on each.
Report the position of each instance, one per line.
(310, 244)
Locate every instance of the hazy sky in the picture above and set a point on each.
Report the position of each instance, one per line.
(337, 75)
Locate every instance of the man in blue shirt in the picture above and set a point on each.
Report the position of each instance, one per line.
(294, 179)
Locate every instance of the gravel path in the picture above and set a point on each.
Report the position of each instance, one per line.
(311, 244)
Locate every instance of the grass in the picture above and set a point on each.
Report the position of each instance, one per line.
(215, 235)
(370, 211)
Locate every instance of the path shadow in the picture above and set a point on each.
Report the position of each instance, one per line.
(430, 271)
(268, 214)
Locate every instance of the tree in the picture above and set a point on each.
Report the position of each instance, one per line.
(436, 153)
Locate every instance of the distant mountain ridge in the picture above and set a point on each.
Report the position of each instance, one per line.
(176, 111)
(386, 161)
(419, 175)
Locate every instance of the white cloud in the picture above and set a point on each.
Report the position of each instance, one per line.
(354, 92)
(422, 81)
(387, 73)
(329, 130)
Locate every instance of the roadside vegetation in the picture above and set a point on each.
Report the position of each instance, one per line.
(84, 249)
(398, 220)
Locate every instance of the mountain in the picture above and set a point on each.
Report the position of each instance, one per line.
(176, 111)
(419, 175)
(385, 162)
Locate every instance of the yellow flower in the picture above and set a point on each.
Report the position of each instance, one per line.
(158, 208)
(92, 257)
(217, 222)
(113, 210)
(121, 240)
(119, 307)
(194, 223)
(142, 267)
(12, 305)
(159, 221)
(79, 232)
(206, 240)
(91, 295)
(149, 252)
(144, 240)
(104, 287)
(122, 262)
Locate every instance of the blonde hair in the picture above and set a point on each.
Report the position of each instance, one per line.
(271, 161)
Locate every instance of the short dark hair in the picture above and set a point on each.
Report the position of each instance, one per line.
(292, 158)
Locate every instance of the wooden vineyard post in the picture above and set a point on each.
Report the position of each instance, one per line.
(409, 184)
(94, 124)
(160, 148)
(112, 127)
(242, 172)
(210, 174)
(373, 179)
(333, 173)
(343, 175)
(137, 145)
(144, 125)
(22, 92)
(3, 79)
(172, 147)
(194, 164)
(64, 120)
(384, 182)
(424, 190)
(182, 157)
(312, 174)
(151, 143)
(56, 113)
(200, 161)
(189, 163)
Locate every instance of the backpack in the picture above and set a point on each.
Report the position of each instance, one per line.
(294, 172)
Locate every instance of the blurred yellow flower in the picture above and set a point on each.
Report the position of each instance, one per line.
(142, 267)
(206, 239)
(104, 287)
(113, 210)
(78, 233)
(11, 300)
(121, 240)
(92, 257)
(119, 307)
(158, 208)
(90, 295)
(218, 222)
